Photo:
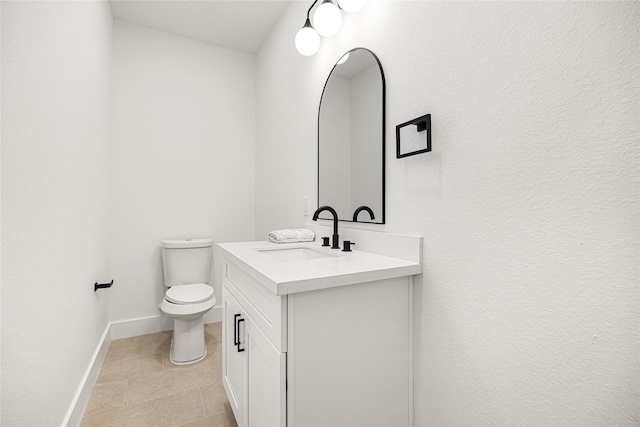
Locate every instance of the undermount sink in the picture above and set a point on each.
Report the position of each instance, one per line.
(295, 253)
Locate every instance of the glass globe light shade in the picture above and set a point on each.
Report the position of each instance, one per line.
(327, 19)
(307, 41)
(352, 6)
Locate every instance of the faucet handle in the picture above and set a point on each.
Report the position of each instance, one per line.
(347, 246)
(325, 241)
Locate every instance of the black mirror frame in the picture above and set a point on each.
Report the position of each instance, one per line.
(384, 131)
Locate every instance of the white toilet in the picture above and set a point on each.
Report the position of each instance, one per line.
(187, 265)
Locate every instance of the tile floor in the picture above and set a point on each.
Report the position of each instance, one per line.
(139, 386)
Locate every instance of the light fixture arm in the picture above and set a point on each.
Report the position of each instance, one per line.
(309, 11)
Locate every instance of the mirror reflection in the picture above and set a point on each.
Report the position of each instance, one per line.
(351, 139)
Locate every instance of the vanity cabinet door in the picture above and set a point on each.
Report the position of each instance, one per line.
(267, 380)
(234, 354)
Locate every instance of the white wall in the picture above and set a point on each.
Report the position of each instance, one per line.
(55, 168)
(527, 311)
(183, 156)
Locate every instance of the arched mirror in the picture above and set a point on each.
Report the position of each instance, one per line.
(351, 127)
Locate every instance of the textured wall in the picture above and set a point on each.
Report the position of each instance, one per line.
(182, 156)
(527, 311)
(55, 135)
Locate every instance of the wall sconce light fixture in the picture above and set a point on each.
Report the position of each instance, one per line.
(307, 39)
(327, 20)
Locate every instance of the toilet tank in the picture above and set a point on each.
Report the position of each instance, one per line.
(186, 261)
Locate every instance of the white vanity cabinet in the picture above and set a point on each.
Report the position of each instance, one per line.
(334, 351)
(235, 355)
(254, 371)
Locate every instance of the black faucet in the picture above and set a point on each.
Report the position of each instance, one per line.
(336, 240)
(360, 209)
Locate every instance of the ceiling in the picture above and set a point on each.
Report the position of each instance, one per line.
(235, 24)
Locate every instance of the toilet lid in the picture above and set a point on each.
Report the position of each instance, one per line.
(189, 294)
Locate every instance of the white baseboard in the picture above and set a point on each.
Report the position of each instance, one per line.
(152, 324)
(214, 316)
(141, 326)
(81, 398)
(113, 331)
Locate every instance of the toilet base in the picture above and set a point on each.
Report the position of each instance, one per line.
(188, 345)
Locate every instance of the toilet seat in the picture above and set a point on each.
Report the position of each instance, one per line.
(189, 294)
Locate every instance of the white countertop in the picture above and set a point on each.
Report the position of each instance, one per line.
(342, 268)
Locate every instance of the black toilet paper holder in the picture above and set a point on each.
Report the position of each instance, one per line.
(97, 285)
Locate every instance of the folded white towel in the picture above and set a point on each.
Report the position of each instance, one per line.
(292, 235)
